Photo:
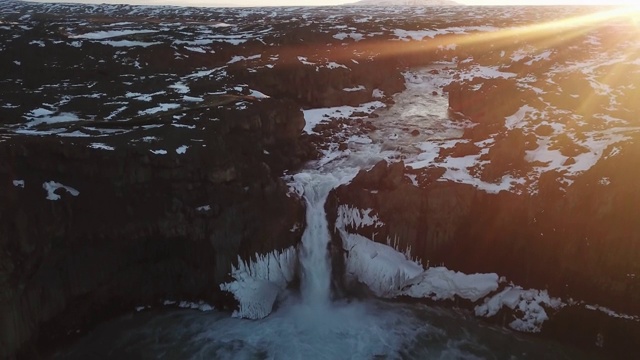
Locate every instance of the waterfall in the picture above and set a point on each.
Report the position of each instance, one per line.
(314, 257)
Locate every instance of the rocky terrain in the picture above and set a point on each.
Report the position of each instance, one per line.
(143, 150)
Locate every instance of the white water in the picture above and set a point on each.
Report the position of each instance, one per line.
(314, 260)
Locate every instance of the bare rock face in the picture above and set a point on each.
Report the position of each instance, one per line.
(142, 226)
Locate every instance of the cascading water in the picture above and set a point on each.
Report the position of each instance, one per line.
(314, 259)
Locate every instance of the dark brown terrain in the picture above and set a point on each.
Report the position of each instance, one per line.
(158, 118)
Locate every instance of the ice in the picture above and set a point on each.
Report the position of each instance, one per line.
(528, 305)
(257, 283)
(356, 218)
(18, 183)
(51, 186)
(384, 270)
(440, 283)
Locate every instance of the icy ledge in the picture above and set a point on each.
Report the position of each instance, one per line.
(390, 273)
(258, 282)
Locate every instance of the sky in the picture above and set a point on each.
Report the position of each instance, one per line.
(338, 2)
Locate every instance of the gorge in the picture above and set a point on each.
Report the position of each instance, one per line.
(396, 182)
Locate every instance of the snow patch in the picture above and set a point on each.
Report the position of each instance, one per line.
(314, 117)
(182, 149)
(527, 303)
(439, 283)
(356, 88)
(99, 35)
(101, 146)
(51, 186)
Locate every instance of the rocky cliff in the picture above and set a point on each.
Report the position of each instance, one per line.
(143, 150)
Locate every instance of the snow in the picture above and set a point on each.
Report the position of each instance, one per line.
(129, 43)
(99, 35)
(257, 94)
(44, 116)
(334, 65)
(196, 49)
(257, 283)
(51, 186)
(18, 183)
(237, 58)
(182, 149)
(314, 117)
(419, 35)
(517, 119)
(377, 94)
(612, 313)
(162, 107)
(204, 208)
(353, 35)
(485, 72)
(192, 98)
(305, 60)
(180, 88)
(159, 152)
(357, 88)
(101, 146)
(529, 304)
(440, 283)
(143, 97)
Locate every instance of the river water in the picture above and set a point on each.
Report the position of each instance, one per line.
(309, 324)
